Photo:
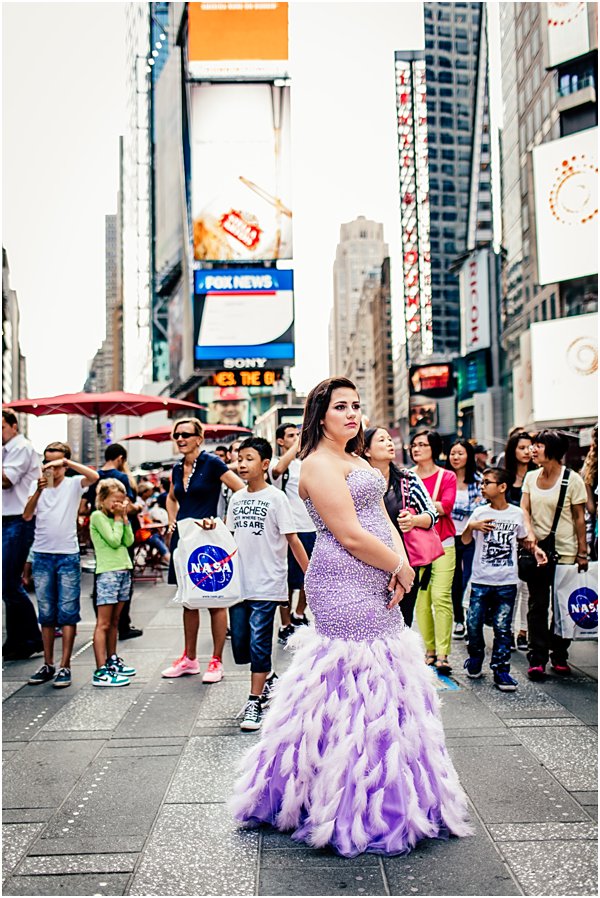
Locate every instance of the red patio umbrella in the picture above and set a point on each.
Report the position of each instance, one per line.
(100, 405)
(211, 432)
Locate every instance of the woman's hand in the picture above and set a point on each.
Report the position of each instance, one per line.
(400, 584)
(207, 523)
(171, 526)
(530, 542)
(406, 521)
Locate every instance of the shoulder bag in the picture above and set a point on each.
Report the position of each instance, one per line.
(527, 565)
(422, 546)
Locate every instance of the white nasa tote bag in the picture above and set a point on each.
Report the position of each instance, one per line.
(206, 566)
(576, 602)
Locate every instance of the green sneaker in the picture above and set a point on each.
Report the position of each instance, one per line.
(108, 676)
(119, 665)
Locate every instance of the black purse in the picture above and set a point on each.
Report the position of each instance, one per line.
(526, 563)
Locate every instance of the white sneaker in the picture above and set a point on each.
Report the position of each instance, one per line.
(252, 716)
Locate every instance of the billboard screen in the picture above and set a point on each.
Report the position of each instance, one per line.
(243, 318)
(237, 39)
(225, 405)
(564, 369)
(431, 380)
(241, 172)
(565, 180)
(169, 191)
(568, 33)
(474, 283)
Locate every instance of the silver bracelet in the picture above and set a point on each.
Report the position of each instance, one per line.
(397, 569)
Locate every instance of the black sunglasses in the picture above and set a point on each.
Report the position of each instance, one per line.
(184, 435)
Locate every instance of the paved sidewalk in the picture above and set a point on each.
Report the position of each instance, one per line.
(121, 792)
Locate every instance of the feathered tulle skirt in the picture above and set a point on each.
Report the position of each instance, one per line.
(352, 752)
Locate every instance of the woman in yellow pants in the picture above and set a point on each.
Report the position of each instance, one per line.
(434, 600)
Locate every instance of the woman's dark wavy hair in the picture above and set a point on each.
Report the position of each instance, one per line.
(316, 406)
(510, 454)
(471, 465)
(396, 473)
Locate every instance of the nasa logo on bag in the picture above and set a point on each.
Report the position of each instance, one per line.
(583, 608)
(210, 568)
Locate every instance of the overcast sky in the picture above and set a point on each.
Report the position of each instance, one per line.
(63, 110)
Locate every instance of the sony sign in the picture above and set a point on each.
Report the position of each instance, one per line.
(475, 303)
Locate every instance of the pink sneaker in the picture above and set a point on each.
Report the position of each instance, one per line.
(183, 665)
(214, 671)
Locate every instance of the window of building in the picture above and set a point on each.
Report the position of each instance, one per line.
(445, 77)
(446, 121)
(445, 45)
(461, 63)
(429, 29)
(446, 92)
(448, 200)
(448, 187)
(433, 153)
(446, 138)
(464, 140)
(537, 117)
(461, 79)
(446, 107)
(447, 169)
(448, 216)
(447, 154)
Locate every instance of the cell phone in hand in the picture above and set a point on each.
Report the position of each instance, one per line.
(49, 475)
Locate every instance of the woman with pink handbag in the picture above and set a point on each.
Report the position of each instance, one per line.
(410, 509)
(434, 600)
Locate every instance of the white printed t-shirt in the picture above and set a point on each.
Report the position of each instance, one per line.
(259, 522)
(302, 519)
(495, 559)
(56, 517)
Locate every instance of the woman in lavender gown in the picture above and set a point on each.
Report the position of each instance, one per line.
(352, 751)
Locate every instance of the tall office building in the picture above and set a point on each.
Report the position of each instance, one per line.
(549, 75)
(14, 369)
(442, 94)
(137, 362)
(360, 250)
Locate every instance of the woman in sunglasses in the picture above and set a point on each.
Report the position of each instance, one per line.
(194, 492)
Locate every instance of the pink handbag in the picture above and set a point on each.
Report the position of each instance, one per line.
(422, 546)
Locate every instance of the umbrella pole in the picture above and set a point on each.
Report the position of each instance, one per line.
(98, 440)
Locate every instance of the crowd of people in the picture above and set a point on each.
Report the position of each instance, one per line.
(443, 540)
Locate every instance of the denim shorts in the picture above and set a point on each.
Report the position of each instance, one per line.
(113, 587)
(295, 575)
(57, 579)
(251, 625)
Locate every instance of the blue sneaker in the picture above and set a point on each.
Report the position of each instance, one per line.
(120, 667)
(473, 667)
(62, 678)
(108, 676)
(504, 682)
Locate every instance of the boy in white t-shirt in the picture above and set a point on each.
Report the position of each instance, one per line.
(56, 564)
(497, 529)
(263, 526)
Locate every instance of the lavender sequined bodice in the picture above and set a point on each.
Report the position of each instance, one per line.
(346, 596)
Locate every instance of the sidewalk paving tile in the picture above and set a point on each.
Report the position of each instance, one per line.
(294, 879)
(536, 868)
(94, 709)
(16, 838)
(197, 850)
(69, 864)
(299, 855)
(221, 701)
(569, 752)
(27, 815)
(207, 769)
(508, 786)
(460, 711)
(543, 722)
(467, 866)
(45, 773)
(24, 717)
(153, 714)
(84, 884)
(116, 800)
(586, 798)
(10, 688)
(540, 832)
